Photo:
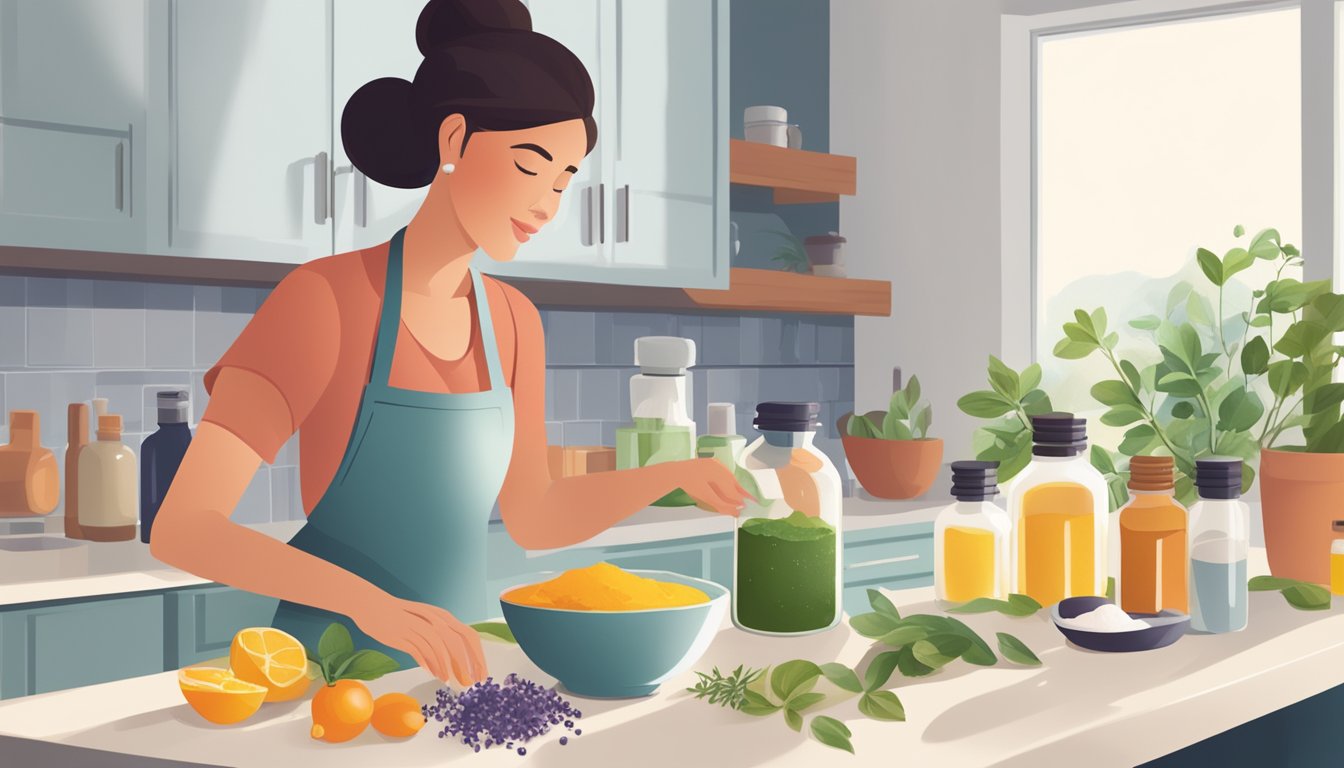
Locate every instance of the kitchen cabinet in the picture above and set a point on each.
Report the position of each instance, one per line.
(202, 621)
(895, 557)
(48, 648)
(650, 203)
(248, 132)
(73, 90)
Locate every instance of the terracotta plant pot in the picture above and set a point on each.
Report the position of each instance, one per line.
(894, 469)
(1301, 494)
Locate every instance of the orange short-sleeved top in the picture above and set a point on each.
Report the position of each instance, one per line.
(307, 354)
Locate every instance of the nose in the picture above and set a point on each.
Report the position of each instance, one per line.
(542, 213)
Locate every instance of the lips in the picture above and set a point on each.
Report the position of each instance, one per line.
(522, 231)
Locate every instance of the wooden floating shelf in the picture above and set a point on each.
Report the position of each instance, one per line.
(796, 175)
(750, 290)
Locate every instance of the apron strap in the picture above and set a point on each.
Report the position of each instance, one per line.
(486, 323)
(389, 321)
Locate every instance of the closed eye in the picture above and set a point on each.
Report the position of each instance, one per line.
(524, 170)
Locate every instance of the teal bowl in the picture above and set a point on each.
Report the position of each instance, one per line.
(618, 654)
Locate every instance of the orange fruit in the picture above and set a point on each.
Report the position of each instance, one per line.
(341, 711)
(271, 658)
(396, 714)
(218, 696)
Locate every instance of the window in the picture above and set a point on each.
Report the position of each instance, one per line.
(1152, 140)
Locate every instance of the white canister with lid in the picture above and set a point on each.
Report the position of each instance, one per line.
(767, 124)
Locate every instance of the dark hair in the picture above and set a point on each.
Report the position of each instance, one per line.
(483, 61)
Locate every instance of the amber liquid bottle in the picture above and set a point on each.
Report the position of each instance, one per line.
(1154, 540)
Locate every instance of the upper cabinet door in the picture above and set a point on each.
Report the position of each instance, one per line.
(73, 85)
(671, 141)
(576, 243)
(373, 40)
(249, 129)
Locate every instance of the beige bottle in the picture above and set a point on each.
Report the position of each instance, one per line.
(77, 436)
(108, 483)
(30, 479)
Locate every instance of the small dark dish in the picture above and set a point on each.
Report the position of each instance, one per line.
(1167, 627)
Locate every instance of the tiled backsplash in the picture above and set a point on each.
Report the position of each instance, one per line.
(68, 340)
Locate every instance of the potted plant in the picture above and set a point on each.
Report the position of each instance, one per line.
(890, 451)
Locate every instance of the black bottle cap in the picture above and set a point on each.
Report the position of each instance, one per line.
(1218, 477)
(1058, 434)
(786, 417)
(975, 480)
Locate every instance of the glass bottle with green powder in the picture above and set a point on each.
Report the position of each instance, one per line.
(660, 405)
(786, 559)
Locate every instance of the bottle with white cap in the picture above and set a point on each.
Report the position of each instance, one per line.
(722, 441)
(660, 405)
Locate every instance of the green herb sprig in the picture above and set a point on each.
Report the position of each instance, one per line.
(1302, 595)
(920, 644)
(338, 659)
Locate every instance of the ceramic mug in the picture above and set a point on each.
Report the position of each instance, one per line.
(767, 124)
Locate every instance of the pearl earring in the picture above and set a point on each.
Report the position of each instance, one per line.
(449, 167)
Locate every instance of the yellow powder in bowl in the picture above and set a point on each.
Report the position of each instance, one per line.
(605, 587)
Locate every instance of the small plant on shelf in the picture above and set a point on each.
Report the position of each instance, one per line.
(890, 451)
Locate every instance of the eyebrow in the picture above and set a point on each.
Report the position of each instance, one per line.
(541, 151)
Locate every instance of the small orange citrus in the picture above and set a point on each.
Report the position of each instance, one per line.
(398, 715)
(341, 711)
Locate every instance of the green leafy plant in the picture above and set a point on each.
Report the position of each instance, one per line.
(1307, 360)
(496, 629)
(791, 254)
(1302, 595)
(906, 417)
(726, 691)
(338, 659)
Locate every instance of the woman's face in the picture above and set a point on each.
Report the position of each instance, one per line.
(506, 186)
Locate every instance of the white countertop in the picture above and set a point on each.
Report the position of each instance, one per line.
(1109, 709)
(92, 569)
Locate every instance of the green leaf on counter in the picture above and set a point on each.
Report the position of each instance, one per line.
(1308, 597)
(496, 629)
(911, 666)
(757, 705)
(939, 650)
(842, 677)
(880, 669)
(1270, 583)
(335, 640)
(1025, 605)
(802, 701)
(1016, 651)
(793, 677)
(905, 634)
(883, 605)
(980, 605)
(832, 733)
(873, 625)
(794, 720)
(366, 665)
(979, 653)
(882, 705)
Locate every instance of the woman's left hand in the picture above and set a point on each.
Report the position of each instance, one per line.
(710, 483)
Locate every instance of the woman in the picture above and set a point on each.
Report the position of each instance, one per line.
(416, 383)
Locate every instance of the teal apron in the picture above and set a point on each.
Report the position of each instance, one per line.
(409, 505)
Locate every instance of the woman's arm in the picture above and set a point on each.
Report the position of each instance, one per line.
(542, 513)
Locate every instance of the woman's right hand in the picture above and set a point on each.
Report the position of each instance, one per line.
(435, 638)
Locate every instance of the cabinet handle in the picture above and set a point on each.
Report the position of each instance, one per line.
(623, 214)
(602, 213)
(119, 160)
(321, 190)
(586, 216)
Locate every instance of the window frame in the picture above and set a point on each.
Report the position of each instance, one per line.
(1021, 40)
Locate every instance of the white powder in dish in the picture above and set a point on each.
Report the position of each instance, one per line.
(1105, 618)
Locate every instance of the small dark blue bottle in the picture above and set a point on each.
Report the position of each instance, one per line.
(161, 454)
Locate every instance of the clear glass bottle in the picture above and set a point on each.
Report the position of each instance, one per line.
(786, 549)
(1220, 537)
(1337, 559)
(721, 440)
(1058, 506)
(971, 538)
(660, 406)
(1154, 541)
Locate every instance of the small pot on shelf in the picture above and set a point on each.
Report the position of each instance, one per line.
(892, 469)
(1301, 495)
(826, 254)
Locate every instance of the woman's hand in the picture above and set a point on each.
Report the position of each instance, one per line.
(432, 636)
(710, 483)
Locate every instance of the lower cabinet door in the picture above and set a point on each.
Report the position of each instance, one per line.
(204, 621)
(65, 646)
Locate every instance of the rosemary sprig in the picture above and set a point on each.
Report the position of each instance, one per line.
(727, 691)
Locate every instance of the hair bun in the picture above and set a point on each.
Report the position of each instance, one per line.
(442, 22)
(382, 137)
